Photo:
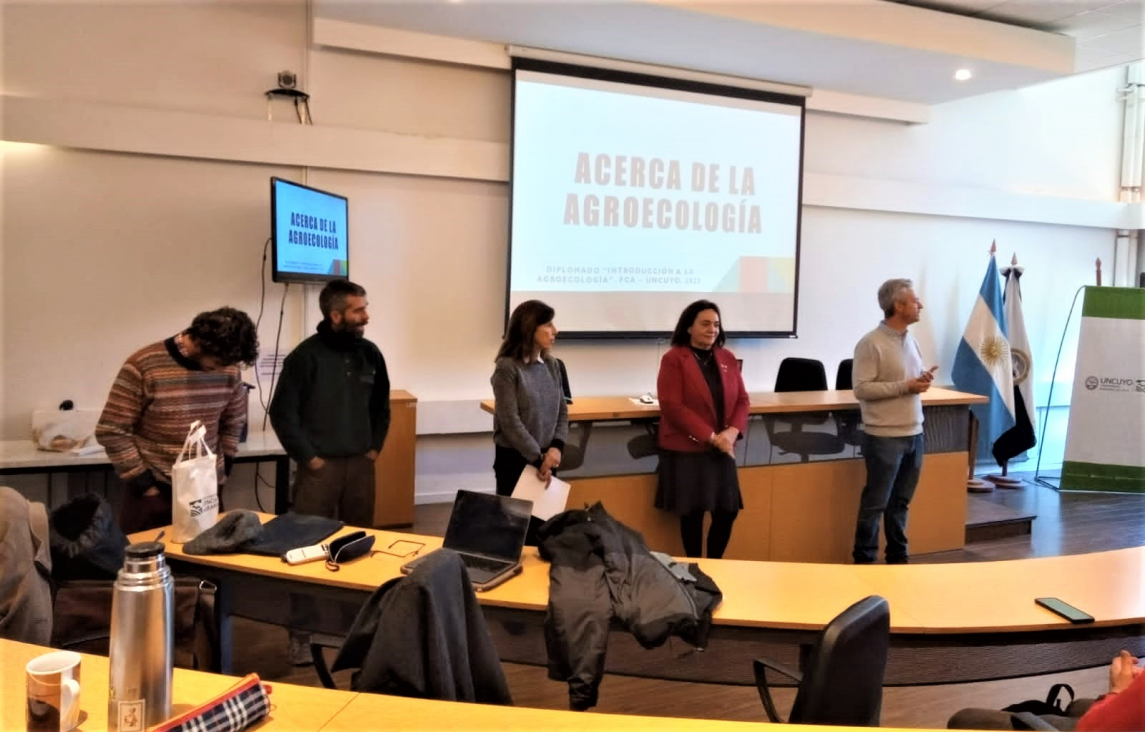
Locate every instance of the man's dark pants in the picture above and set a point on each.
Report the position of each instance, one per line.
(893, 467)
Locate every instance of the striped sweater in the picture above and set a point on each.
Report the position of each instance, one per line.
(155, 398)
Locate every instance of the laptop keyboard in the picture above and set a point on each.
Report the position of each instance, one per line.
(488, 565)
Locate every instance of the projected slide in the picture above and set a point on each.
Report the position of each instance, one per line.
(310, 233)
(631, 201)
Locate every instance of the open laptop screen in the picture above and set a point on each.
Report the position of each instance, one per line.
(491, 525)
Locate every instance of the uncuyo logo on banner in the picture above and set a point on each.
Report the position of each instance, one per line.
(1114, 383)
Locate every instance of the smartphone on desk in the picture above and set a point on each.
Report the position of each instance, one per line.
(1064, 609)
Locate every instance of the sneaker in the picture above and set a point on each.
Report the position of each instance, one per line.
(300, 650)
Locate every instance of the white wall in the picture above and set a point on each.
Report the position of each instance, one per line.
(1061, 139)
(104, 252)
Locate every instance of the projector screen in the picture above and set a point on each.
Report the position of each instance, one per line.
(632, 196)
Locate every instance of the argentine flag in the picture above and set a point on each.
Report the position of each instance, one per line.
(983, 364)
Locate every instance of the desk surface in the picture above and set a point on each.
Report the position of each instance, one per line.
(980, 597)
(24, 455)
(293, 707)
(606, 408)
(309, 709)
(365, 711)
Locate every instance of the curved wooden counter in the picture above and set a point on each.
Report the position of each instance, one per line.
(793, 511)
(949, 622)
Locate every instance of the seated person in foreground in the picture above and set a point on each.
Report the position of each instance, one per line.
(1121, 710)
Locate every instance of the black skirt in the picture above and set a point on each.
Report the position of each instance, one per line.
(697, 481)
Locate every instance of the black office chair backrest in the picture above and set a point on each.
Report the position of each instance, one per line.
(801, 374)
(565, 389)
(843, 681)
(843, 375)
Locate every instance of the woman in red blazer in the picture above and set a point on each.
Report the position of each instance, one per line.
(703, 411)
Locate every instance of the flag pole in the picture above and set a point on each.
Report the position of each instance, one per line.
(1004, 480)
(973, 484)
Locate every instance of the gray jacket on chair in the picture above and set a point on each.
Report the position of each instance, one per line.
(424, 636)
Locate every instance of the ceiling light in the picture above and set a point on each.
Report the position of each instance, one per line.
(962, 75)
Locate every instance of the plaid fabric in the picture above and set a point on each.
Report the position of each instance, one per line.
(236, 709)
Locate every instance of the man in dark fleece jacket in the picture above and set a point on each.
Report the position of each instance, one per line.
(331, 410)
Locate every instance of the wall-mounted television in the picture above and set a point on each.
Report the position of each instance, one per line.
(309, 232)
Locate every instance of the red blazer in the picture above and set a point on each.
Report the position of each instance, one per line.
(688, 414)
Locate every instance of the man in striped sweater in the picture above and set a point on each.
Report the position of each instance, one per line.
(160, 391)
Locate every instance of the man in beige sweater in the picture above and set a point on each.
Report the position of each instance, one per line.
(888, 376)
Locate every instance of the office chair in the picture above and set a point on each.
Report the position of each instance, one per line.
(802, 374)
(850, 423)
(843, 679)
(647, 444)
(572, 457)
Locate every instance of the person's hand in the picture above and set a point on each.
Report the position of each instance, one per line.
(152, 491)
(551, 460)
(725, 441)
(372, 455)
(729, 437)
(1122, 672)
(928, 374)
(919, 385)
(316, 463)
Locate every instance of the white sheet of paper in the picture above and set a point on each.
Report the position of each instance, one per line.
(547, 502)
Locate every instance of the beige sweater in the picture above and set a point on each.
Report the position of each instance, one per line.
(25, 570)
(885, 360)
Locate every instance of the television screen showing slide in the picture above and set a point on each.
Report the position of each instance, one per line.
(632, 196)
(309, 230)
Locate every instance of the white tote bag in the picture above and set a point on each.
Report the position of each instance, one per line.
(195, 485)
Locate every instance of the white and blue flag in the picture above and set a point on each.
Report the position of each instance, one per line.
(984, 365)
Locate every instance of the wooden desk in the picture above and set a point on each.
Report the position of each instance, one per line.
(949, 622)
(616, 408)
(998, 597)
(310, 709)
(415, 715)
(293, 707)
(793, 512)
(23, 457)
(395, 467)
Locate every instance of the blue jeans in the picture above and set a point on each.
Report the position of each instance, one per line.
(893, 465)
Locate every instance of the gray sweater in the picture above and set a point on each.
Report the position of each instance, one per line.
(885, 360)
(529, 412)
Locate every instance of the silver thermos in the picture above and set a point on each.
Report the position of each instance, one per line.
(142, 640)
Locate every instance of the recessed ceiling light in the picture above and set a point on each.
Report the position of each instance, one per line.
(962, 75)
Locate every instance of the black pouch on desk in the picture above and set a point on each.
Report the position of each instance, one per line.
(352, 546)
(292, 531)
(344, 549)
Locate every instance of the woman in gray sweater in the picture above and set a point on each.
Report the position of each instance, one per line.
(530, 418)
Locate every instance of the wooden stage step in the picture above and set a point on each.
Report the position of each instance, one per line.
(987, 520)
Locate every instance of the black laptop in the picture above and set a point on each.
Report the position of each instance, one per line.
(487, 532)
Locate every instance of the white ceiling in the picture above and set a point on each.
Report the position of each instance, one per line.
(1108, 32)
(893, 50)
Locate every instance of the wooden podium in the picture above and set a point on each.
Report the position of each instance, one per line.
(394, 469)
